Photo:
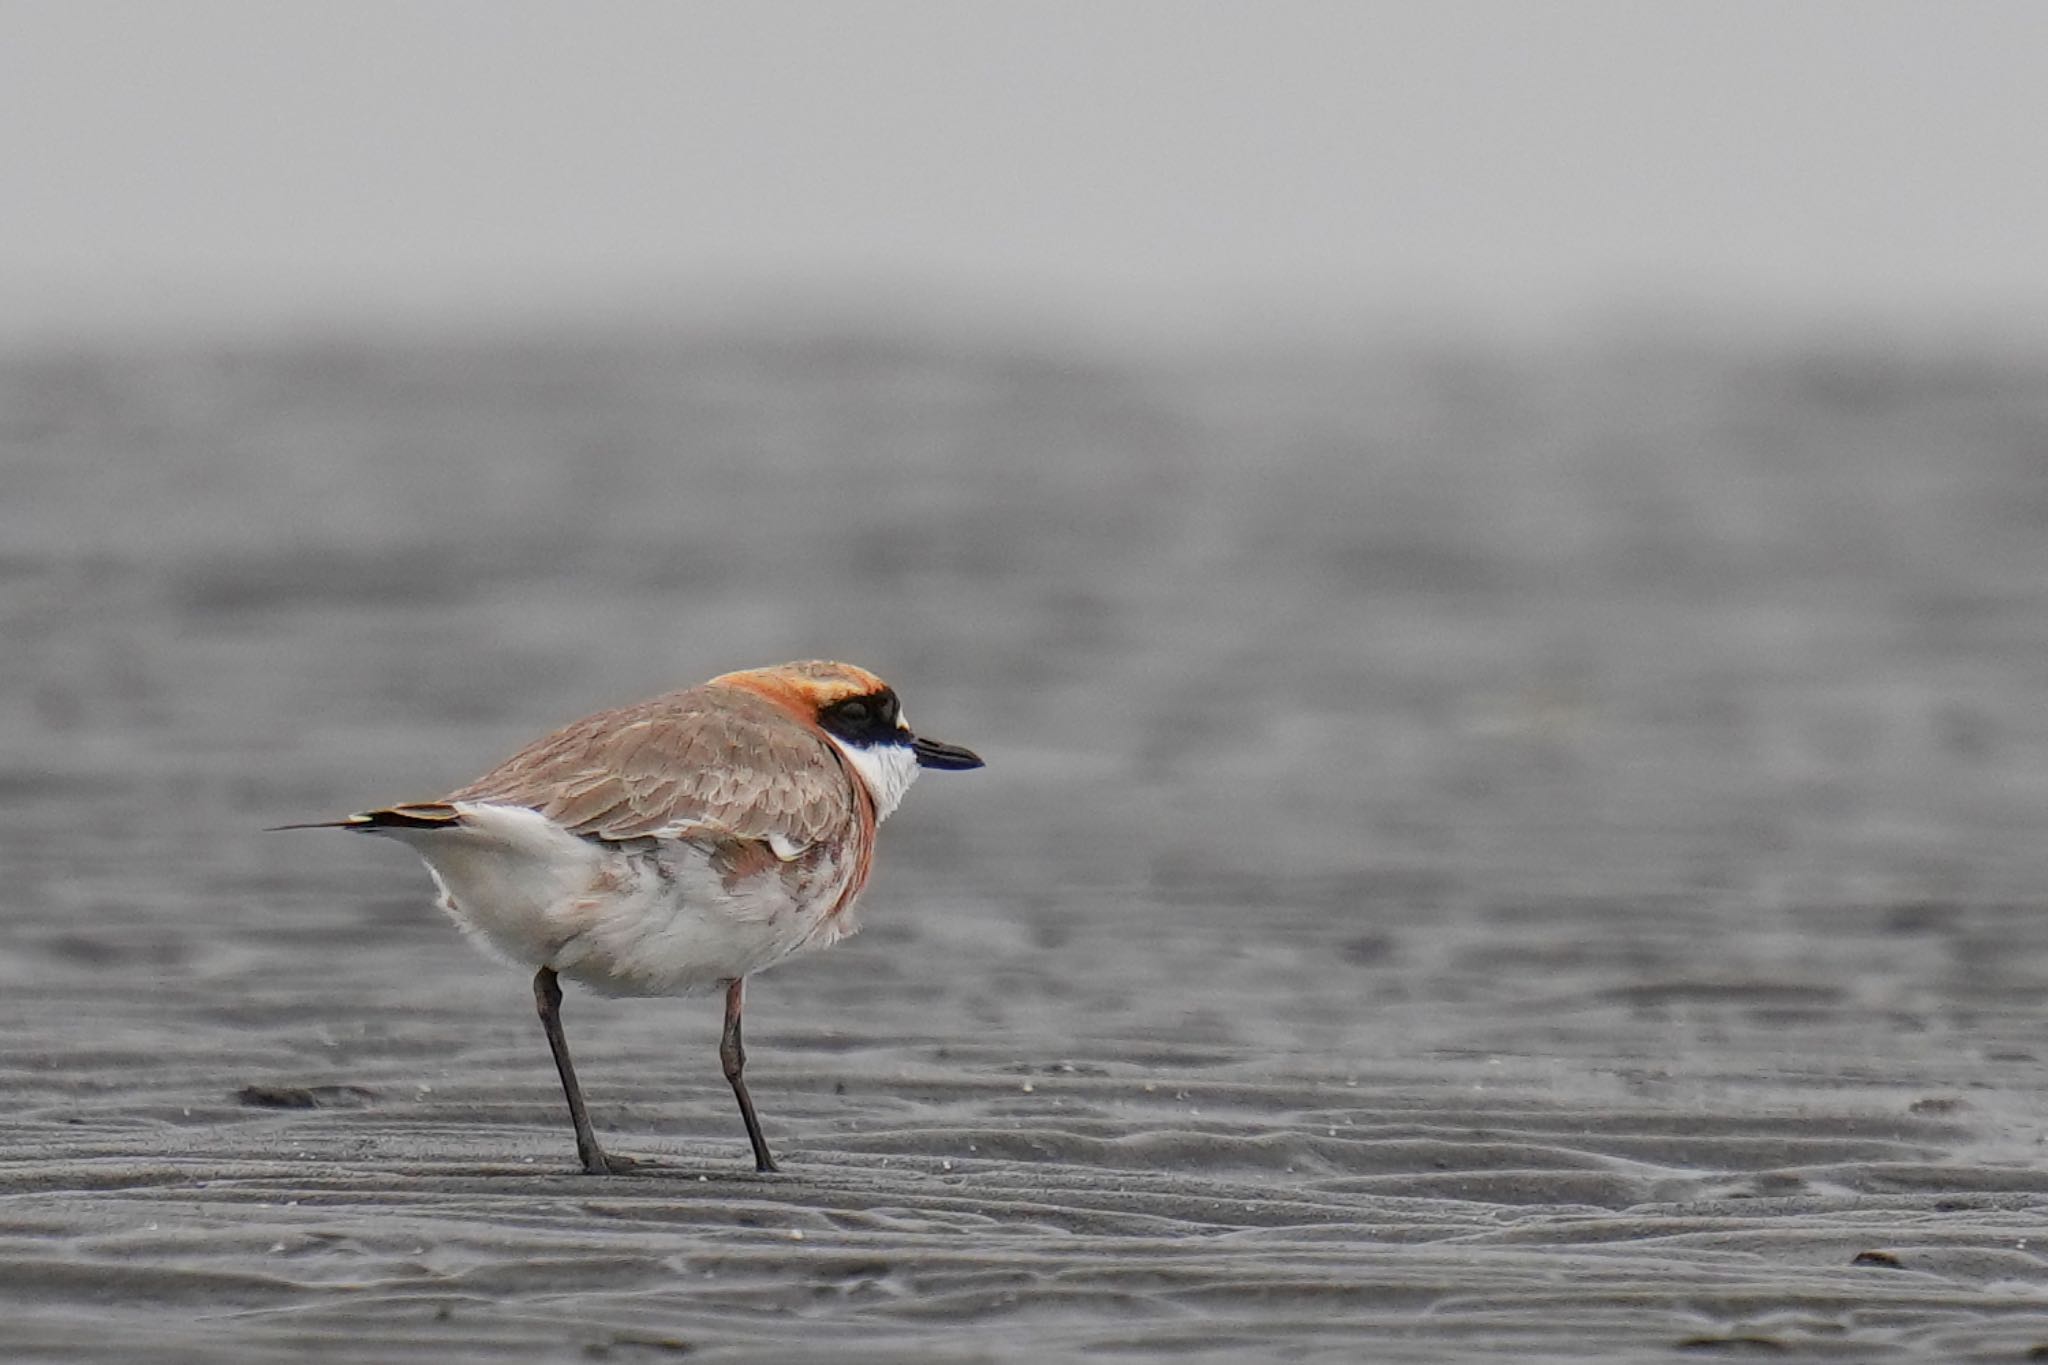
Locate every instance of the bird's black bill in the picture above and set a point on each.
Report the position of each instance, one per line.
(949, 757)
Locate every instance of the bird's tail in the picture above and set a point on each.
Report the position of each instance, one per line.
(411, 815)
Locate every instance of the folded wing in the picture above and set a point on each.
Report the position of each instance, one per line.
(678, 766)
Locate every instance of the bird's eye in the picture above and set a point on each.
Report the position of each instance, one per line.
(853, 712)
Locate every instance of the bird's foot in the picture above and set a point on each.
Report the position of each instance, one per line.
(599, 1162)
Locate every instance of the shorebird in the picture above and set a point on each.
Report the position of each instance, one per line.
(673, 846)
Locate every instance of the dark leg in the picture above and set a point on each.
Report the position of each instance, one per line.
(547, 996)
(734, 1057)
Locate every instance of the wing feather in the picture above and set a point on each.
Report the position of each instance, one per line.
(729, 765)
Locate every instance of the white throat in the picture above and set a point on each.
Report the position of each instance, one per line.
(888, 769)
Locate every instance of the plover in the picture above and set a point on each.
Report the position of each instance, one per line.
(676, 845)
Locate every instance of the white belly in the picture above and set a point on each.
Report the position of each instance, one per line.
(645, 917)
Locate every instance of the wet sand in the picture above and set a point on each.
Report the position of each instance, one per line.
(1529, 856)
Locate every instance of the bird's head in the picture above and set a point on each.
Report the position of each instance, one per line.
(862, 717)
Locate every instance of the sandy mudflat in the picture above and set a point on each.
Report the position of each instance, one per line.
(1525, 857)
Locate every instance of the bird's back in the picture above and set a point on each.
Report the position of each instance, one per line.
(710, 759)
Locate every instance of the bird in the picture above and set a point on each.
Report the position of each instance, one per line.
(673, 846)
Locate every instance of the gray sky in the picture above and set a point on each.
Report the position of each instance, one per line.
(1123, 163)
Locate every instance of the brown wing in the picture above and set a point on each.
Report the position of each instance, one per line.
(719, 764)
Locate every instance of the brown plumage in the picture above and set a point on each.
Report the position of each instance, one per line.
(716, 760)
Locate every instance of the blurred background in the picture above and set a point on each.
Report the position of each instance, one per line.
(1465, 531)
(1346, 464)
(1204, 171)
(1475, 437)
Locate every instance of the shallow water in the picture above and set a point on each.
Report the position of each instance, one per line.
(1480, 854)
